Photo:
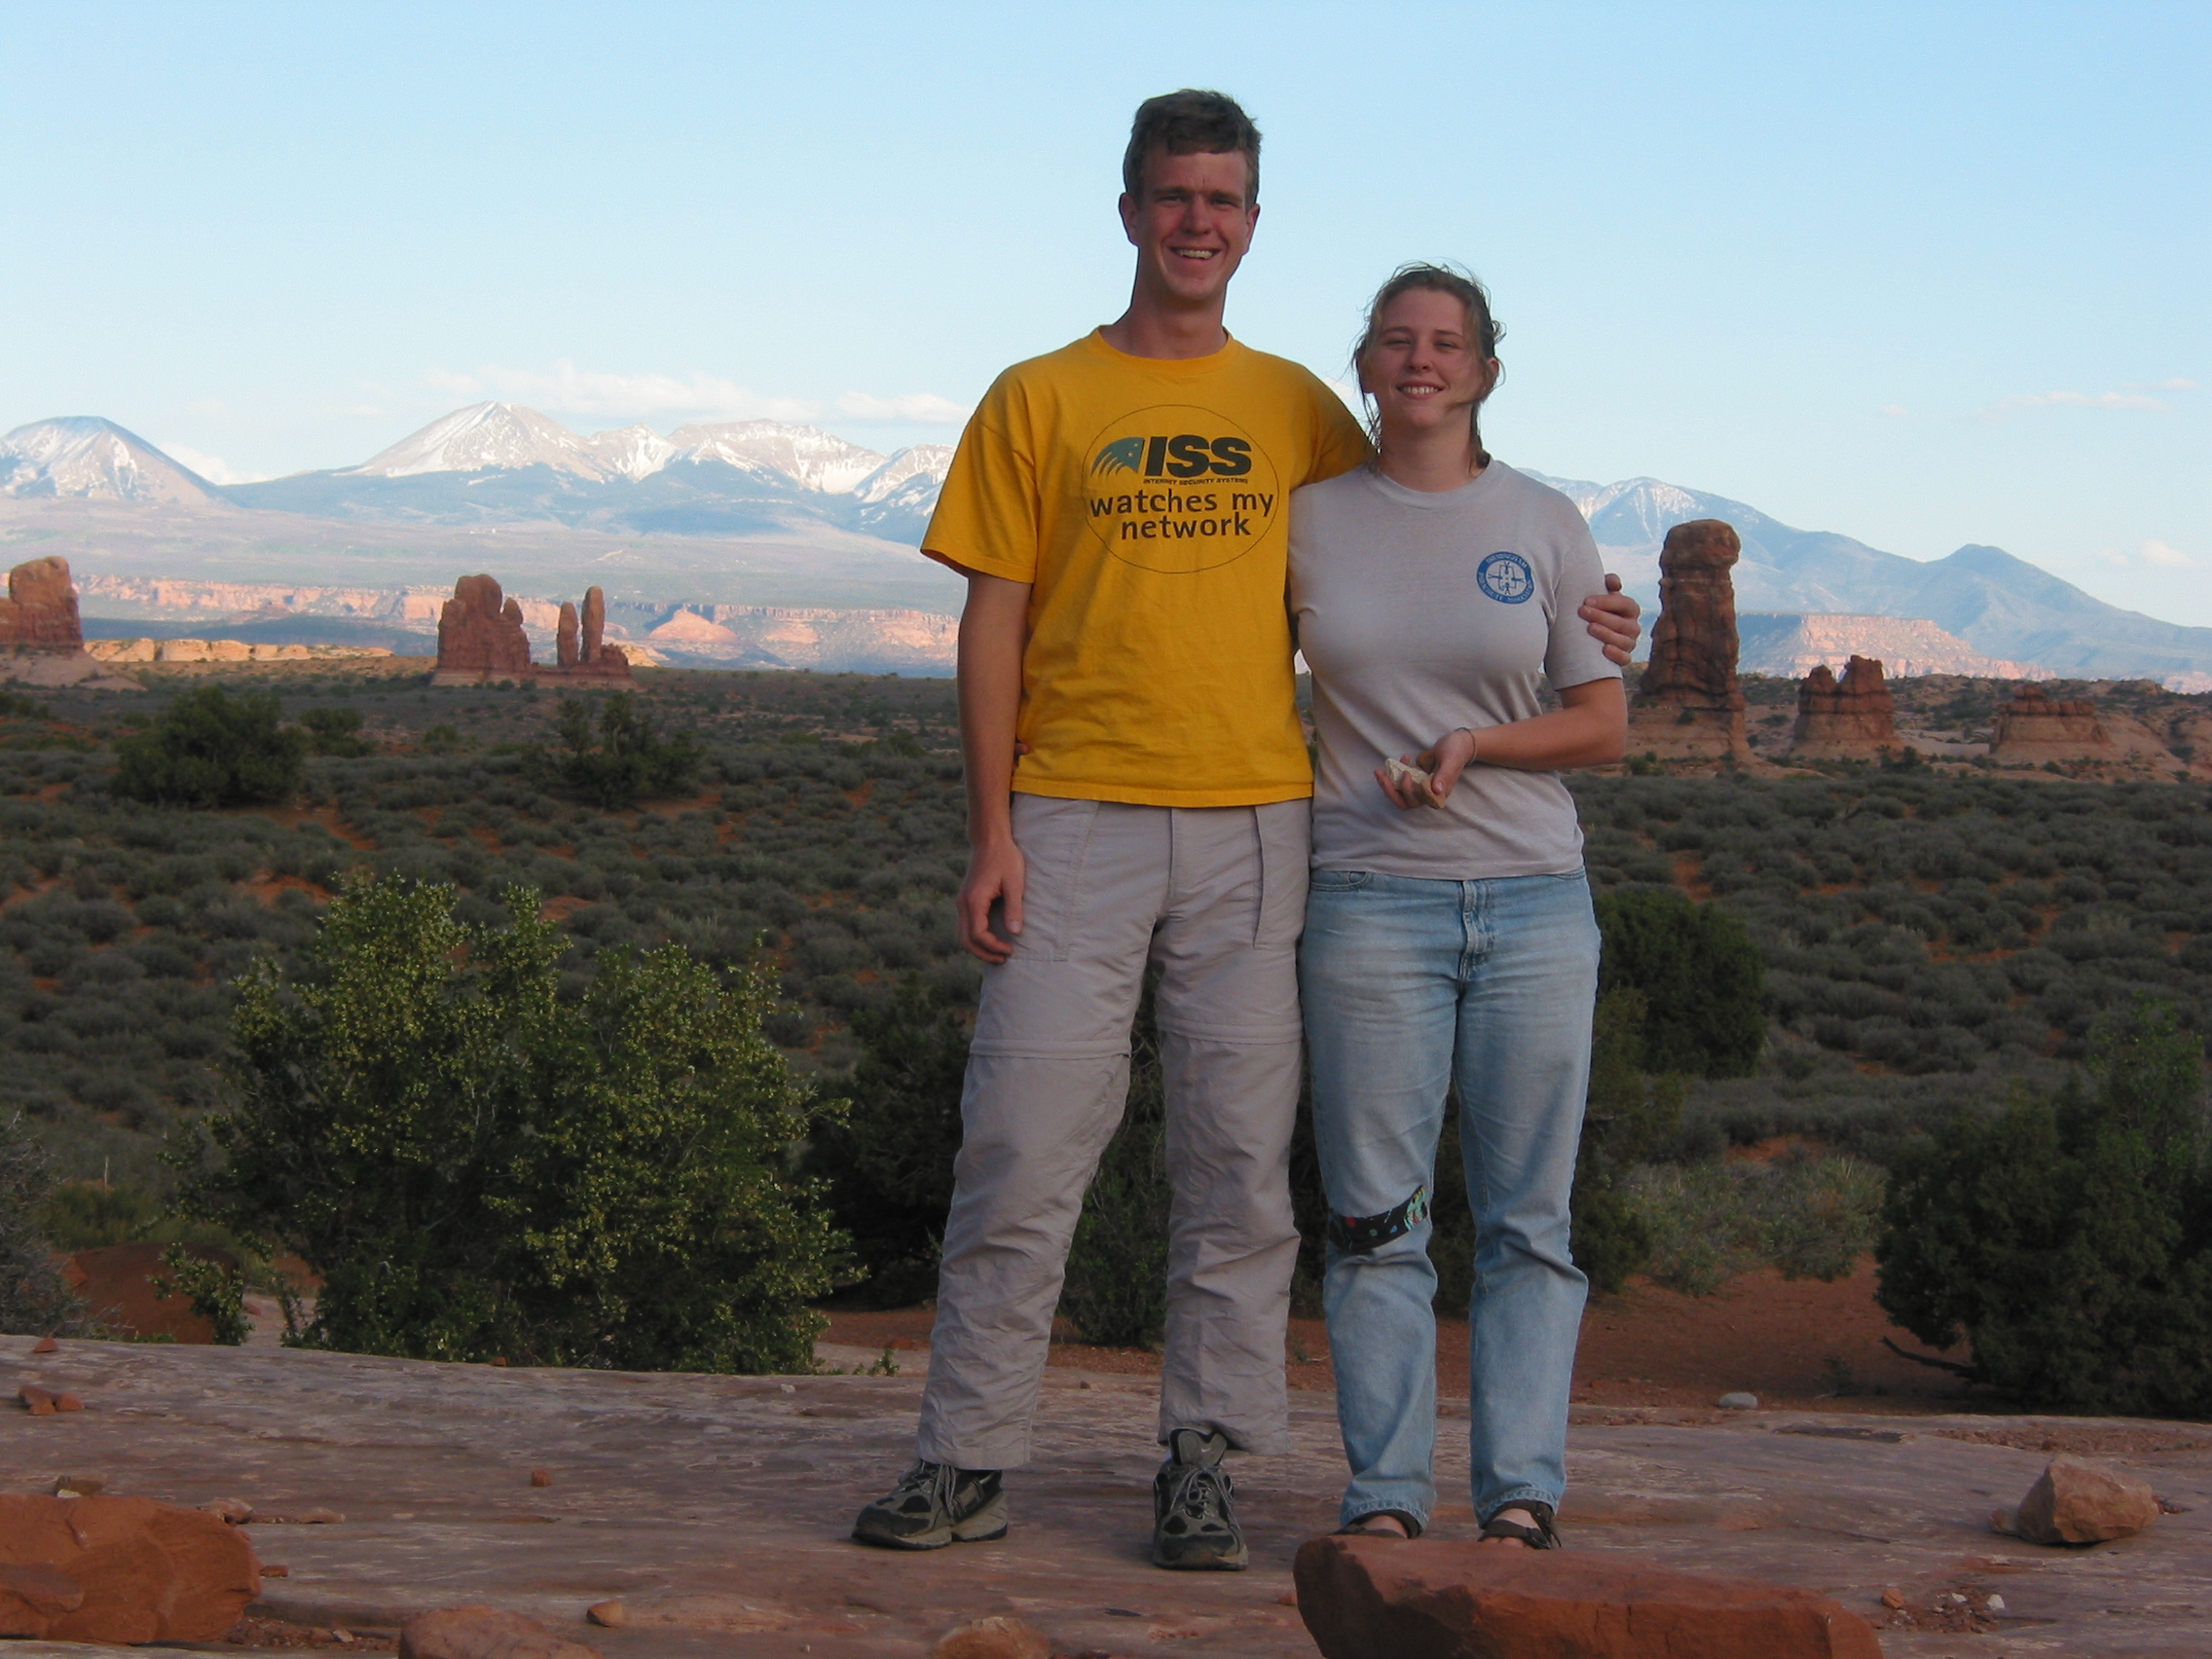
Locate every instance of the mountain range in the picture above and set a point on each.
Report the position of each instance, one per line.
(755, 512)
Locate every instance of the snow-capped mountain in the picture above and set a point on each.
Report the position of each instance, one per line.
(95, 459)
(805, 455)
(485, 437)
(634, 452)
(923, 460)
(507, 437)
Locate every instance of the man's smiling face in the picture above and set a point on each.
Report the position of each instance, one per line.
(1191, 223)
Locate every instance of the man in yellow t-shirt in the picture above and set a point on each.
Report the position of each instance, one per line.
(1137, 795)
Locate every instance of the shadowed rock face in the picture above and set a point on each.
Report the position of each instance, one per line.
(40, 612)
(1855, 716)
(565, 637)
(480, 635)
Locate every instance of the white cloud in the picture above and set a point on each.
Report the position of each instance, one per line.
(2158, 555)
(1895, 412)
(2025, 402)
(915, 408)
(213, 467)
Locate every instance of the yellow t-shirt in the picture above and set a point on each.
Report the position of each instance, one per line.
(1148, 501)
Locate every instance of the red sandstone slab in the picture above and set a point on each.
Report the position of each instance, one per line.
(1370, 1598)
(119, 1569)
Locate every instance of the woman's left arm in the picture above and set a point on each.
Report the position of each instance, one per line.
(1590, 730)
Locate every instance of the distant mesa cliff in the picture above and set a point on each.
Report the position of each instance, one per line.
(873, 641)
(1791, 647)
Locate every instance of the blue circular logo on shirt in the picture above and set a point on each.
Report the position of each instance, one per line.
(1507, 579)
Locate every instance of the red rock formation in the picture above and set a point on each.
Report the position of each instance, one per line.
(1370, 1598)
(2032, 703)
(594, 658)
(2035, 727)
(1851, 716)
(480, 638)
(1691, 705)
(119, 1569)
(40, 612)
(565, 637)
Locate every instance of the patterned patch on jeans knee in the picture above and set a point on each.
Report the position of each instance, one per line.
(1356, 1234)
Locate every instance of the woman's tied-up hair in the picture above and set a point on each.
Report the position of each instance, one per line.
(1187, 122)
(1482, 327)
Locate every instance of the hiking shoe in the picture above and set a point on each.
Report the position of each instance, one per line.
(1194, 1515)
(933, 1506)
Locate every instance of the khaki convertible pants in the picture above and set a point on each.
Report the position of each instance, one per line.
(1215, 897)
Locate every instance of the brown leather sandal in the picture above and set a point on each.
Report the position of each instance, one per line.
(1541, 1536)
(1357, 1528)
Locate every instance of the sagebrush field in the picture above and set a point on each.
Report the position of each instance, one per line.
(1929, 935)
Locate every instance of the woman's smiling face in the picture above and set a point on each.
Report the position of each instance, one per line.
(1423, 367)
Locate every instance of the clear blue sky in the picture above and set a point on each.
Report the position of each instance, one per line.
(1923, 275)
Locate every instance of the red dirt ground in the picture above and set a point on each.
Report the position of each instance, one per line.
(1646, 1346)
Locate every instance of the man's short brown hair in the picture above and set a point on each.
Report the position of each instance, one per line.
(1187, 122)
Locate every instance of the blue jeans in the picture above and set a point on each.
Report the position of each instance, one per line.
(1411, 987)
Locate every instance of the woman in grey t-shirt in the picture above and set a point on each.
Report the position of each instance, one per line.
(1449, 935)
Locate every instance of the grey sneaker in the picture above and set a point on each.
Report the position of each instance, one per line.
(1194, 1512)
(933, 1506)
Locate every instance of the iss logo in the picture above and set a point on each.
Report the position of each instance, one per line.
(1178, 489)
(1507, 579)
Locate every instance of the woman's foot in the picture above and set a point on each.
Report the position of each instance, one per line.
(1522, 1527)
(1513, 1517)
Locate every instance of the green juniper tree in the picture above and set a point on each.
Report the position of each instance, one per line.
(476, 1167)
(2069, 1238)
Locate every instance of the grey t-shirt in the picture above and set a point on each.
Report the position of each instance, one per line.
(1419, 612)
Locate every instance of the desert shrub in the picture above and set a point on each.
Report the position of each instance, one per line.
(211, 749)
(1700, 974)
(476, 1169)
(1116, 1291)
(1811, 1218)
(2069, 1238)
(888, 1165)
(33, 1299)
(212, 1283)
(336, 731)
(85, 1215)
(623, 761)
(1628, 1116)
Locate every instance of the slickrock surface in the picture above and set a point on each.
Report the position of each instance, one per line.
(1691, 704)
(1851, 718)
(715, 1508)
